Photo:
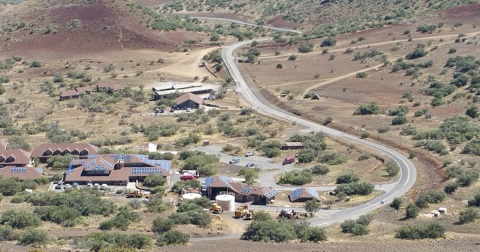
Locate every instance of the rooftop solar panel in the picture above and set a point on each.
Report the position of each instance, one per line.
(246, 190)
(209, 181)
(271, 194)
(313, 193)
(296, 193)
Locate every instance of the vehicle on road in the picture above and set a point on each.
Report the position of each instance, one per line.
(187, 176)
(249, 154)
(135, 194)
(288, 160)
(288, 213)
(216, 208)
(250, 164)
(234, 161)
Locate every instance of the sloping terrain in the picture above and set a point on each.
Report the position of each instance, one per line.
(323, 15)
(79, 27)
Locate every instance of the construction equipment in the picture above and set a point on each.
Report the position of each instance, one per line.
(241, 211)
(135, 194)
(288, 213)
(249, 215)
(216, 208)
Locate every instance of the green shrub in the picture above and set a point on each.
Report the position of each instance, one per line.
(64, 216)
(412, 211)
(106, 241)
(19, 219)
(330, 41)
(320, 169)
(399, 120)
(122, 220)
(468, 215)
(370, 109)
(7, 234)
(475, 201)
(306, 155)
(396, 203)
(347, 178)
(35, 236)
(333, 159)
(417, 53)
(157, 205)
(161, 225)
(355, 189)
(362, 75)
(194, 217)
(297, 177)
(173, 237)
(383, 129)
(472, 111)
(357, 227)
(270, 231)
(451, 187)
(421, 231)
(10, 186)
(392, 169)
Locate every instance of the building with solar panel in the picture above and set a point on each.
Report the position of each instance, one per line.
(303, 194)
(22, 173)
(115, 169)
(218, 185)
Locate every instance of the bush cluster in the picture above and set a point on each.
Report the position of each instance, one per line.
(421, 231)
(358, 226)
(265, 229)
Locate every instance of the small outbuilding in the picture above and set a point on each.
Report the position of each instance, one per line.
(315, 97)
(303, 194)
(292, 145)
(188, 100)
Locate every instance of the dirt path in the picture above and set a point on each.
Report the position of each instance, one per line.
(332, 80)
(120, 34)
(268, 58)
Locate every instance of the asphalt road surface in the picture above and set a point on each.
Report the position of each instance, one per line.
(324, 217)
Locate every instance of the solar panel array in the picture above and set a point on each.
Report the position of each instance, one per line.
(108, 164)
(246, 190)
(92, 156)
(226, 180)
(39, 170)
(313, 192)
(70, 171)
(99, 168)
(271, 194)
(88, 164)
(18, 170)
(209, 181)
(126, 158)
(296, 193)
(165, 164)
(145, 170)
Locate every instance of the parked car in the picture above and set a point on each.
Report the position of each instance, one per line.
(96, 185)
(249, 154)
(104, 187)
(67, 186)
(187, 176)
(90, 185)
(58, 186)
(172, 110)
(162, 111)
(235, 161)
(288, 160)
(188, 110)
(250, 165)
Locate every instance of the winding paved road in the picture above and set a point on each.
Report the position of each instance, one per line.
(324, 217)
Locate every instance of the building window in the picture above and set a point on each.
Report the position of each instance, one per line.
(47, 153)
(65, 152)
(75, 152)
(57, 152)
(84, 153)
(10, 159)
(2, 159)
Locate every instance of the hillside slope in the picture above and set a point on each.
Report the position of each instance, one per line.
(79, 26)
(338, 15)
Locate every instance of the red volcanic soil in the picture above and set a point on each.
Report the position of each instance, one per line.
(465, 10)
(103, 28)
(278, 21)
(154, 2)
